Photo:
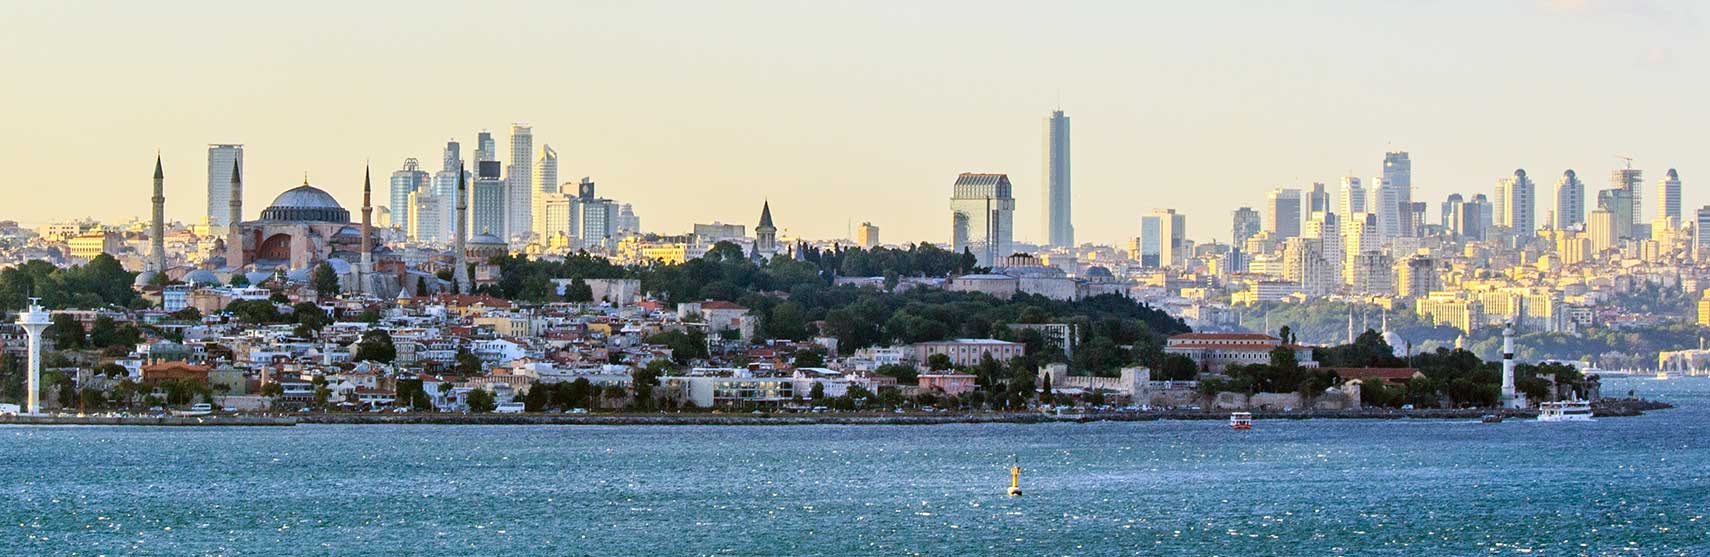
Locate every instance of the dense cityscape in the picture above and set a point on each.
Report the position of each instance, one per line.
(506, 288)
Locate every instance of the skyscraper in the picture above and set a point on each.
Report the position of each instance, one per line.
(405, 181)
(220, 163)
(1059, 227)
(1385, 203)
(1353, 198)
(1282, 213)
(982, 216)
(485, 148)
(1668, 197)
(519, 184)
(1632, 181)
(1319, 200)
(1619, 203)
(1246, 225)
(1701, 233)
(545, 186)
(1172, 237)
(445, 197)
(1570, 201)
(1451, 208)
(487, 201)
(1398, 173)
(1516, 203)
(867, 236)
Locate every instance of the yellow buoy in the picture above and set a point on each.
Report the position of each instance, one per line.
(1014, 481)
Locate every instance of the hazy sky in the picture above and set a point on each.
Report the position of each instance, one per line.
(850, 111)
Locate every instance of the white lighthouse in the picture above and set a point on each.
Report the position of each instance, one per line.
(35, 320)
(1510, 398)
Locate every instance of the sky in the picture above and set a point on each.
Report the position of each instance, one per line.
(845, 112)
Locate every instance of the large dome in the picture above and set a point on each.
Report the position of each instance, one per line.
(305, 203)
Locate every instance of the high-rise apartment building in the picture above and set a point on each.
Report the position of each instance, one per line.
(1516, 204)
(406, 181)
(1282, 213)
(1668, 197)
(1059, 225)
(1359, 236)
(545, 186)
(867, 236)
(445, 196)
(982, 216)
(222, 158)
(1603, 227)
(1398, 173)
(1164, 234)
(1619, 202)
(1386, 203)
(519, 184)
(1570, 201)
(1246, 225)
(1701, 233)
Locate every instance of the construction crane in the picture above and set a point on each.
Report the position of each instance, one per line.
(1627, 160)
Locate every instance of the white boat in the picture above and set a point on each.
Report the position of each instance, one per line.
(198, 409)
(1241, 420)
(1565, 411)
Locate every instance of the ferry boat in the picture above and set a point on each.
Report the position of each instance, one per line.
(1241, 420)
(198, 409)
(1565, 411)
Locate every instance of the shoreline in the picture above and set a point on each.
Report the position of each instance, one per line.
(1605, 409)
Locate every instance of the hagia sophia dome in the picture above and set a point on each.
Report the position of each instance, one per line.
(305, 203)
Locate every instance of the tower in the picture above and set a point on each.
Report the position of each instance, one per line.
(765, 235)
(519, 185)
(35, 320)
(222, 158)
(1570, 200)
(234, 237)
(460, 274)
(1509, 398)
(157, 229)
(1059, 225)
(365, 265)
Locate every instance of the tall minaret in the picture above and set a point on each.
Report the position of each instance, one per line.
(234, 234)
(1508, 394)
(460, 275)
(157, 231)
(366, 267)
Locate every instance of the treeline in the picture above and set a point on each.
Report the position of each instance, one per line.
(102, 282)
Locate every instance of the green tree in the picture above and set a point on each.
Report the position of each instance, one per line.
(938, 362)
(578, 291)
(103, 331)
(376, 346)
(809, 358)
(467, 362)
(65, 333)
(325, 280)
(817, 393)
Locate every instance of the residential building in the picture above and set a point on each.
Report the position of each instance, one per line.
(1570, 201)
(1246, 224)
(867, 236)
(519, 184)
(967, 351)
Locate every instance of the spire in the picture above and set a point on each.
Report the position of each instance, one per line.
(365, 184)
(305, 177)
(766, 213)
(158, 174)
(237, 173)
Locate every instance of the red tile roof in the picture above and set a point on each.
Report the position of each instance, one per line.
(1225, 336)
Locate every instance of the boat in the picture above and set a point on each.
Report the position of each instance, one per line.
(1662, 375)
(1241, 420)
(1565, 411)
(198, 409)
(1491, 419)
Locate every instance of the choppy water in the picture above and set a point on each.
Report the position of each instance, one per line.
(1628, 486)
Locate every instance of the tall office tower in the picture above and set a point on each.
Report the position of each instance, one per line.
(1603, 227)
(157, 227)
(1386, 204)
(597, 218)
(1451, 208)
(220, 164)
(1516, 204)
(1326, 228)
(1619, 202)
(867, 236)
(406, 181)
(445, 194)
(1398, 173)
(545, 185)
(1171, 236)
(1570, 201)
(452, 158)
(1059, 223)
(487, 201)
(1359, 236)
(1632, 181)
(1668, 197)
(234, 214)
(1417, 276)
(627, 221)
(1353, 198)
(424, 219)
(1413, 219)
(519, 184)
(1701, 233)
(1247, 224)
(982, 216)
(1282, 213)
(1486, 213)
(1304, 265)
(460, 235)
(485, 148)
(1319, 199)
(1146, 248)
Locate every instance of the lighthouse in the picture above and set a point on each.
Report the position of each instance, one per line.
(1510, 399)
(35, 320)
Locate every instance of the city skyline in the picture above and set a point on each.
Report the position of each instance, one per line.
(652, 147)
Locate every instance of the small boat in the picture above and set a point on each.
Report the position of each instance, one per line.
(1662, 375)
(1491, 419)
(1241, 420)
(198, 409)
(1565, 411)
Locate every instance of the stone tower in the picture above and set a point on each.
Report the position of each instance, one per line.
(234, 233)
(157, 229)
(765, 235)
(460, 274)
(365, 265)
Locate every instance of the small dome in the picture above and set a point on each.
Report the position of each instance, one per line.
(298, 275)
(1520, 173)
(143, 279)
(201, 276)
(1672, 175)
(1569, 173)
(257, 277)
(1097, 272)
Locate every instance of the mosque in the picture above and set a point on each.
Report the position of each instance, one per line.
(304, 227)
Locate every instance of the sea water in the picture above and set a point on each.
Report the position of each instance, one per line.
(1616, 486)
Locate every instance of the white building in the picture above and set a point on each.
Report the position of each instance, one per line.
(221, 158)
(519, 185)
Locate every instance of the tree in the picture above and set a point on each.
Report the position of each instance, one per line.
(685, 346)
(809, 358)
(467, 362)
(101, 332)
(643, 380)
(376, 346)
(239, 280)
(938, 362)
(254, 311)
(817, 393)
(1178, 367)
(65, 332)
(187, 314)
(1045, 390)
(578, 291)
(325, 280)
(310, 316)
(481, 400)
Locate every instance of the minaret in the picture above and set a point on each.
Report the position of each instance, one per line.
(460, 274)
(366, 266)
(157, 231)
(35, 321)
(234, 233)
(1509, 399)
